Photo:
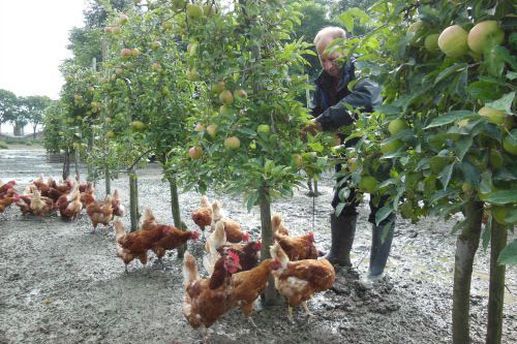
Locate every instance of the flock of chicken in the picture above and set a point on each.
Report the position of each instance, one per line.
(42, 198)
(236, 275)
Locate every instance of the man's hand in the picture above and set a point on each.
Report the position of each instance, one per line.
(311, 128)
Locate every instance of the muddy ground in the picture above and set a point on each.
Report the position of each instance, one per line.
(61, 284)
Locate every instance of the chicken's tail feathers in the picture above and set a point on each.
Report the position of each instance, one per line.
(276, 221)
(120, 232)
(190, 271)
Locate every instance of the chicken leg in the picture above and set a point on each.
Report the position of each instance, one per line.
(307, 311)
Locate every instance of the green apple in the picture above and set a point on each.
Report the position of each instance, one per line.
(226, 97)
(453, 41)
(195, 152)
(396, 126)
(138, 125)
(156, 45)
(431, 42)
(219, 87)
(194, 11)
(212, 130)
(263, 129)
(126, 53)
(391, 146)
(232, 142)
(240, 94)
(484, 33)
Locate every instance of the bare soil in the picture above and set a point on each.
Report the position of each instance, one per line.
(61, 284)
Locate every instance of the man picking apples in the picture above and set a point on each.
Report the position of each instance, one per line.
(331, 104)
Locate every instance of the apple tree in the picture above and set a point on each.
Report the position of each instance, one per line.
(447, 130)
(248, 72)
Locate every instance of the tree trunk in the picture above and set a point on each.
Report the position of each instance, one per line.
(271, 296)
(107, 180)
(76, 165)
(18, 130)
(90, 148)
(133, 199)
(497, 275)
(176, 214)
(34, 132)
(466, 247)
(66, 165)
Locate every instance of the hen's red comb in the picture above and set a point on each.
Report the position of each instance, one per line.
(234, 256)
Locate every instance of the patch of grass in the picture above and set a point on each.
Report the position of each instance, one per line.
(3, 145)
(25, 141)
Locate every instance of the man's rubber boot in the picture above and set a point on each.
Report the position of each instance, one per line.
(343, 232)
(382, 236)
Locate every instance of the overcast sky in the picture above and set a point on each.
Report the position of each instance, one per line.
(33, 40)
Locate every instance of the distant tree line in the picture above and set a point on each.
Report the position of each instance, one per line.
(20, 111)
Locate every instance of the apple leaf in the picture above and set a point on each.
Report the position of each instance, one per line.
(511, 75)
(451, 117)
(504, 103)
(446, 174)
(463, 145)
(494, 60)
(485, 237)
(483, 90)
(508, 255)
(383, 213)
(340, 208)
(500, 197)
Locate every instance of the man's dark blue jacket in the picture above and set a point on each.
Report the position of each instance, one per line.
(330, 108)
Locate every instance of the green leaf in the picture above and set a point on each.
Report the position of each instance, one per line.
(463, 145)
(251, 201)
(389, 109)
(508, 255)
(470, 173)
(348, 21)
(494, 60)
(451, 117)
(445, 175)
(485, 237)
(458, 67)
(316, 147)
(486, 185)
(383, 213)
(340, 208)
(483, 90)
(511, 75)
(500, 197)
(504, 103)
